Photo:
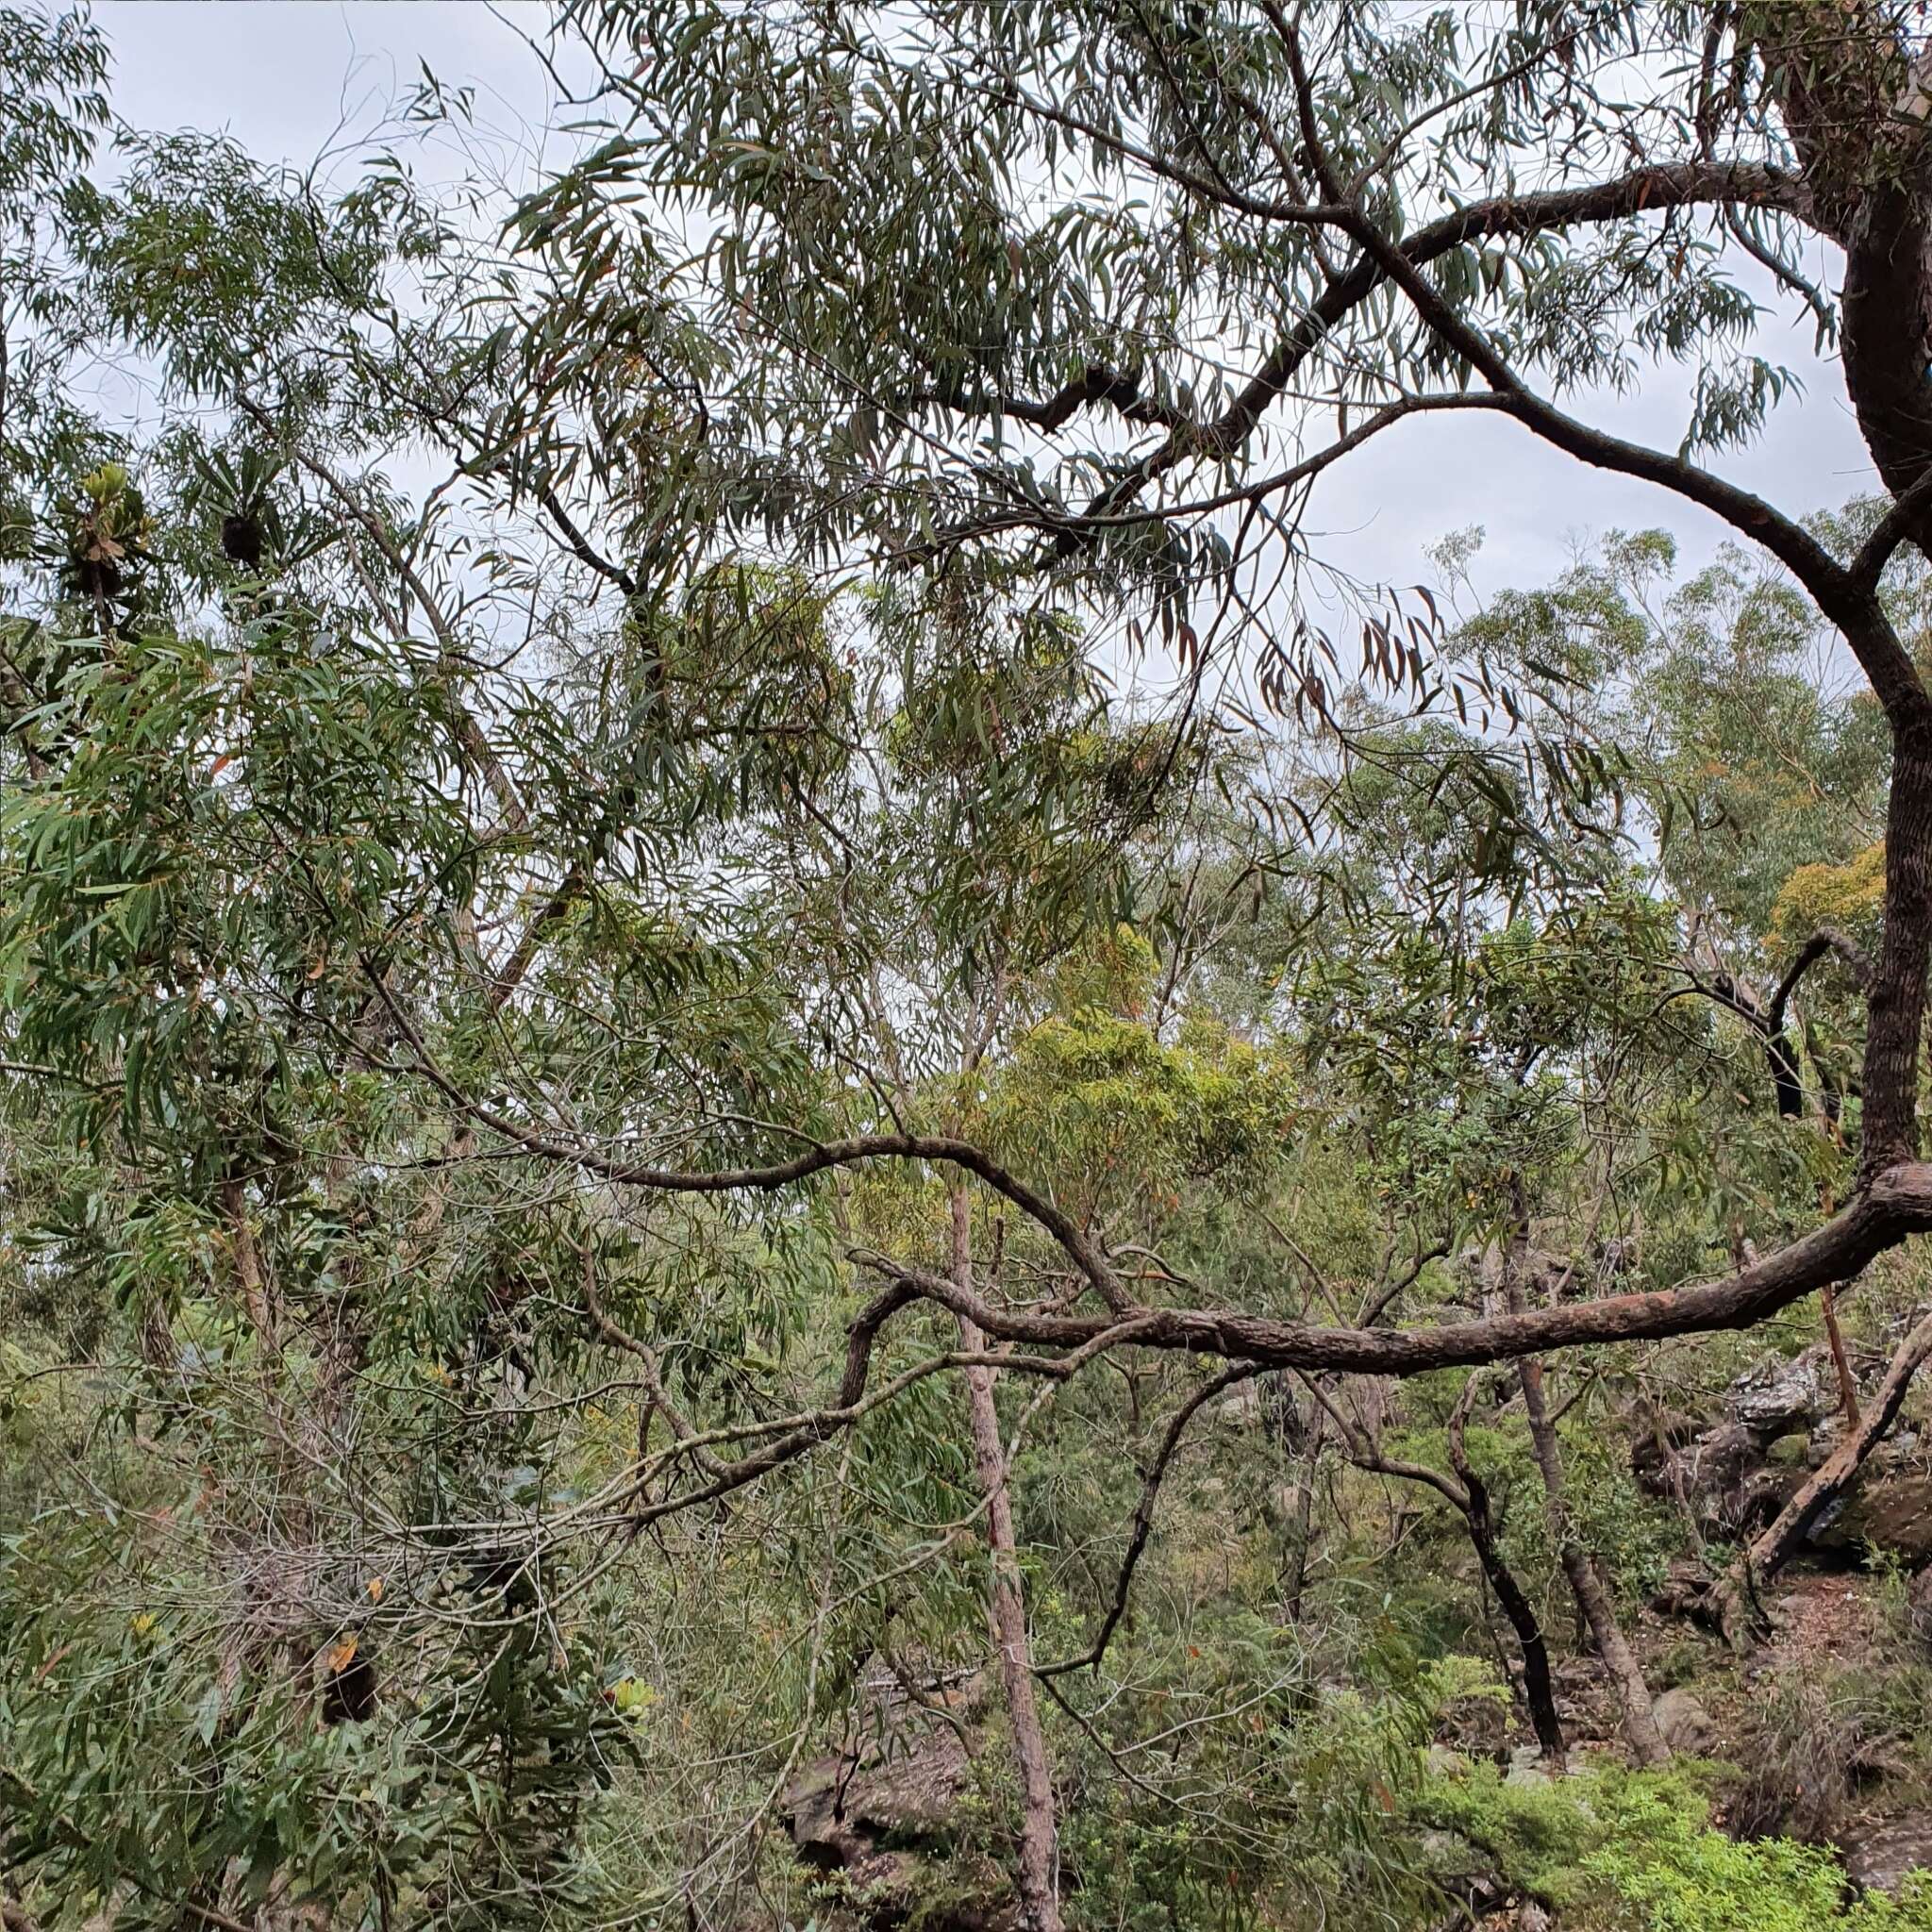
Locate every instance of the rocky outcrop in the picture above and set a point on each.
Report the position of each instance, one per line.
(840, 1811)
(1880, 1860)
(1720, 1477)
(1888, 1512)
(1734, 1474)
(887, 1821)
(1780, 1396)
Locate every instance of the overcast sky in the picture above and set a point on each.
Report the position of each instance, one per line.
(286, 77)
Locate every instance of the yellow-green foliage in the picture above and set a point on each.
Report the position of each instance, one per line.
(1618, 1851)
(1113, 972)
(1100, 1103)
(1814, 895)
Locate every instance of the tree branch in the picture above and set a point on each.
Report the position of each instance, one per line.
(1897, 1203)
(1144, 1515)
(1642, 190)
(1827, 939)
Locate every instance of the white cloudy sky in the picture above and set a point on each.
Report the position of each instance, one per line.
(286, 77)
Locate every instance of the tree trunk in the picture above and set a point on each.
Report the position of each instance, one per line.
(1772, 1548)
(1539, 1688)
(1580, 1567)
(1301, 1528)
(1587, 1584)
(1039, 1847)
(1847, 1388)
(246, 1262)
(1896, 1008)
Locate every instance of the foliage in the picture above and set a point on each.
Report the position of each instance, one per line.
(1618, 1849)
(698, 975)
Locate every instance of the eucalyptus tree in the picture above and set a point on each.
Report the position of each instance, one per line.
(1064, 295)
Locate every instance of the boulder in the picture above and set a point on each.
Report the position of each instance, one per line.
(1240, 1408)
(1465, 1872)
(1777, 1396)
(1880, 1860)
(1891, 1513)
(1902, 1449)
(838, 1812)
(1721, 1478)
(1654, 1433)
(888, 1821)
(1684, 1723)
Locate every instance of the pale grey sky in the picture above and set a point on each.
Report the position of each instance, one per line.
(284, 76)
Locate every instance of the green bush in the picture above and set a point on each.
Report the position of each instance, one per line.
(1617, 1851)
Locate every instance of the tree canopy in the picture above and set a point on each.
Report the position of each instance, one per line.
(740, 1014)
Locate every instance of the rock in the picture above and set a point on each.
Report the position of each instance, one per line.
(1894, 1453)
(1654, 1434)
(1776, 1396)
(1240, 1408)
(1880, 1860)
(1717, 1460)
(1281, 1504)
(1686, 1591)
(1891, 1513)
(838, 1813)
(1464, 1871)
(1754, 1503)
(1721, 1478)
(1618, 1255)
(1684, 1723)
(1526, 1767)
(891, 1817)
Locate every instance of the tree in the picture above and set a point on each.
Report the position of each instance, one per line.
(1066, 219)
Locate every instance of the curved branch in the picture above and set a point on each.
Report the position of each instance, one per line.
(1643, 190)
(1850, 603)
(1904, 521)
(1897, 1203)
(1768, 1020)
(1827, 939)
(817, 1158)
(1096, 383)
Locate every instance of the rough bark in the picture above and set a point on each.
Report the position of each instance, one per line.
(246, 1261)
(1854, 102)
(1895, 1006)
(1037, 1863)
(1847, 1388)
